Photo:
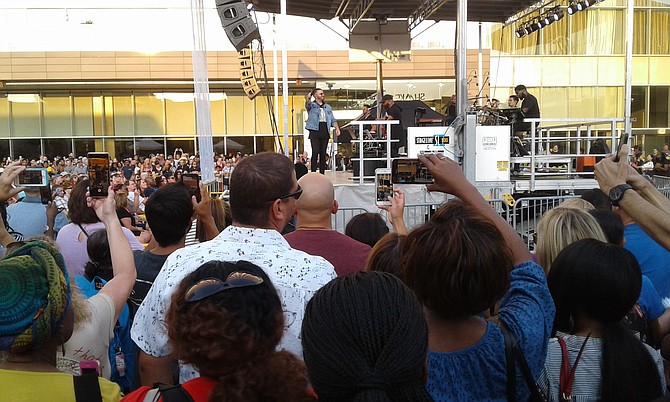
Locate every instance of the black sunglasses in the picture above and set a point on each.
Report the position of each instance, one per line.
(296, 194)
(211, 286)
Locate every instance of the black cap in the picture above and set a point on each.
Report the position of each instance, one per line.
(387, 97)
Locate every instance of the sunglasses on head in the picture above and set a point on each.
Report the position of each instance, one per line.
(211, 286)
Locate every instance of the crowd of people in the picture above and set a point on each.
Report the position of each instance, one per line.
(152, 293)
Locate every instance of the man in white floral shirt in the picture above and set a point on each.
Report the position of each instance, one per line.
(262, 200)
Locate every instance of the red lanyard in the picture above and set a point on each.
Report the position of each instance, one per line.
(568, 373)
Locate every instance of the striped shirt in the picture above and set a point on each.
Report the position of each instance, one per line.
(586, 385)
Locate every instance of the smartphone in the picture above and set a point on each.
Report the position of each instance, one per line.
(98, 174)
(32, 177)
(45, 194)
(410, 171)
(621, 144)
(192, 181)
(383, 186)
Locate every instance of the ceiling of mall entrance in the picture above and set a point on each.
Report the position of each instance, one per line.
(438, 10)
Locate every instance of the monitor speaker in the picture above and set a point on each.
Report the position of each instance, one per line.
(237, 23)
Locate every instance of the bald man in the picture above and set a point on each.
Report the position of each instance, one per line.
(314, 233)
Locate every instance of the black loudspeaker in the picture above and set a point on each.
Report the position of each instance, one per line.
(237, 23)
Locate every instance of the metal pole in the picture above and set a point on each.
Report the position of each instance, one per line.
(275, 70)
(380, 88)
(628, 97)
(461, 68)
(480, 62)
(284, 68)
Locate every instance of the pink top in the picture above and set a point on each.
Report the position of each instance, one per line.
(74, 249)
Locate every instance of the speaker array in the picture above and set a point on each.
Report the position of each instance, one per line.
(247, 78)
(237, 23)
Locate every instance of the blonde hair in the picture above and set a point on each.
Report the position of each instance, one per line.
(561, 227)
(121, 199)
(577, 203)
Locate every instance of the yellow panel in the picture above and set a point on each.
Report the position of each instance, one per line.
(658, 70)
(123, 116)
(552, 101)
(83, 115)
(581, 102)
(641, 70)
(148, 114)
(4, 117)
(218, 117)
(263, 125)
(180, 117)
(611, 71)
(25, 119)
(57, 120)
(234, 112)
(528, 71)
(609, 103)
(583, 71)
(555, 71)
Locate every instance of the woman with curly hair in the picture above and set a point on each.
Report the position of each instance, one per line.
(226, 319)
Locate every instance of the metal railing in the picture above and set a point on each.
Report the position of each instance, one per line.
(662, 184)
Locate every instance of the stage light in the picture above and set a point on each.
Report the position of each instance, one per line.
(557, 14)
(573, 8)
(520, 33)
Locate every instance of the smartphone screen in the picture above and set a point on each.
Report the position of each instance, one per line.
(192, 181)
(383, 186)
(45, 194)
(98, 173)
(410, 171)
(32, 177)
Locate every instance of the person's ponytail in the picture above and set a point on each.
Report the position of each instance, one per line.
(628, 371)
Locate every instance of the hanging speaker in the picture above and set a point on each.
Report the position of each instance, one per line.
(251, 88)
(237, 23)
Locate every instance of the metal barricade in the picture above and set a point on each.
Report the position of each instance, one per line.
(344, 215)
(526, 213)
(662, 184)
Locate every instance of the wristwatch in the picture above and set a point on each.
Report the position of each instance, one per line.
(616, 193)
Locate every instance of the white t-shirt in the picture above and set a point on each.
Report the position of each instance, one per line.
(90, 340)
(296, 275)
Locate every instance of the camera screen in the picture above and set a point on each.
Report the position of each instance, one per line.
(411, 171)
(30, 177)
(384, 187)
(98, 174)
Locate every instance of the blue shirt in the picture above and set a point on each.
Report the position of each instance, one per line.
(654, 260)
(29, 218)
(479, 373)
(649, 301)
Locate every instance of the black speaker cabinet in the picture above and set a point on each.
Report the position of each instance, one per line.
(237, 23)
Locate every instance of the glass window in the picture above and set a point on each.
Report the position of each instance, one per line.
(555, 38)
(123, 149)
(581, 102)
(241, 144)
(83, 115)
(187, 145)
(660, 40)
(25, 117)
(658, 106)
(57, 147)
(149, 114)
(146, 146)
(217, 110)
(235, 109)
(4, 149)
(4, 117)
(638, 106)
(122, 110)
(29, 149)
(265, 143)
(640, 32)
(609, 102)
(553, 102)
(57, 119)
(180, 115)
(84, 146)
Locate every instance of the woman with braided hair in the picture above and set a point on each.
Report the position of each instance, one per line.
(226, 319)
(365, 338)
(35, 320)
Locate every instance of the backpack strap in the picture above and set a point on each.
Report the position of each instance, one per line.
(87, 388)
(517, 356)
(568, 373)
(168, 393)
